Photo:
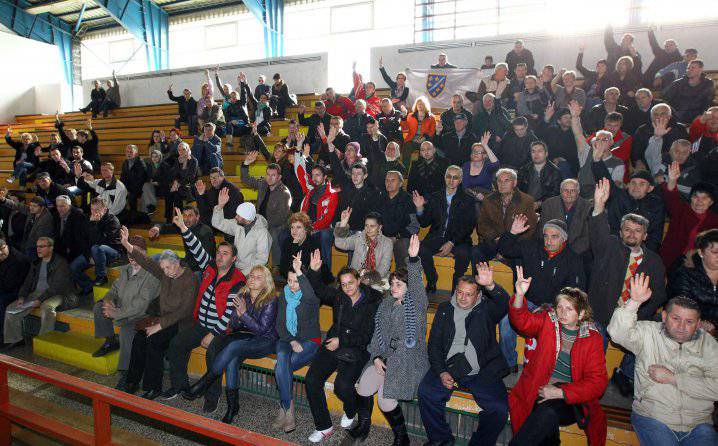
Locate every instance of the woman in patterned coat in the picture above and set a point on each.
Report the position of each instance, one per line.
(398, 351)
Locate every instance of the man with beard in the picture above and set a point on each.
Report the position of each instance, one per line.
(618, 260)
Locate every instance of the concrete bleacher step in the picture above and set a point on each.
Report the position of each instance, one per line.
(75, 349)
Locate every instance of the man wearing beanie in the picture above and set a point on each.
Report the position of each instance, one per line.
(636, 198)
(123, 305)
(550, 263)
(249, 230)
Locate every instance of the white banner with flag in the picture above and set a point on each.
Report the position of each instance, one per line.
(440, 84)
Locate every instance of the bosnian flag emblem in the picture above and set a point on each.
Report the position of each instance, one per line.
(435, 84)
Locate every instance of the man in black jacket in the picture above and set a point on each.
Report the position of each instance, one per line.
(186, 108)
(450, 214)
(390, 121)
(399, 214)
(71, 225)
(208, 200)
(103, 246)
(692, 94)
(426, 175)
(133, 176)
(539, 178)
(355, 125)
(515, 148)
(597, 114)
(551, 263)
(617, 259)
(467, 324)
(319, 117)
(355, 193)
(58, 168)
(457, 106)
(662, 57)
(636, 198)
(639, 111)
(14, 266)
(663, 125)
(48, 189)
(456, 144)
(560, 140)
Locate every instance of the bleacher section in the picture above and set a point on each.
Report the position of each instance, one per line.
(74, 342)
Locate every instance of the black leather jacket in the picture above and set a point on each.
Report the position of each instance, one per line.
(695, 284)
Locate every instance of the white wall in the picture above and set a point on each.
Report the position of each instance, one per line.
(302, 74)
(559, 50)
(27, 87)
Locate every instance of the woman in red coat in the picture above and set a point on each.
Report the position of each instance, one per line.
(687, 219)
(566, 376)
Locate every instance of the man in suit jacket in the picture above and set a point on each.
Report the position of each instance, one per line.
(572, 209)
(70, 229)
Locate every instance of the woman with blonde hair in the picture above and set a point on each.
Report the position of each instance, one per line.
(254, 335)
(419, 126)
(27, 154)
(565, 377)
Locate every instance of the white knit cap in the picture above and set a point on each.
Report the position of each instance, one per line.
(247, 211)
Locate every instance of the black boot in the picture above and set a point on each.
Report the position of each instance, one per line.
(396, 421)
(360, 432)
(232, 406)
(198, 389)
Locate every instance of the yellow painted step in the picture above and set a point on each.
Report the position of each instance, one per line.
(75, 349)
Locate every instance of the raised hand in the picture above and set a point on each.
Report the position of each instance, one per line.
(302, 109)
(418, 200)
(485, 138)
(485, 274)
(381, 61)
(223, 197)
(297, 263)
(674, 174)
(439, 127)
(178, 220)
(315, 260)
(522, 283)
(346, 214)
(601, 194)
(640, 288)
(660, 127)
(200, 187)
(414, 244)
(251, 157)
(170, 87)
(125, 237)
(550, 110)
(403, 110)
(76, 170)
(8, 131)
(582, 48)
(300, 137)
(307, 150)
(575, 108)
(520, 224)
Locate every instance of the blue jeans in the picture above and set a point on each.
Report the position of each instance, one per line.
(234, 354)
(507, 341)
(654, 433)
(287, 363)
(20, 171)
(326, 241)
(491, 397)
(101, 254)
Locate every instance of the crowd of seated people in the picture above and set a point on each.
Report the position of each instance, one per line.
(570, 185)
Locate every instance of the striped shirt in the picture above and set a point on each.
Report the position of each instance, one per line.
(562, 370)
(207, 314)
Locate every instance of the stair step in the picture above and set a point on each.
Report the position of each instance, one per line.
(75, 349)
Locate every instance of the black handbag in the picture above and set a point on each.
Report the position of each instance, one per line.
(348, 355)
(458, 366)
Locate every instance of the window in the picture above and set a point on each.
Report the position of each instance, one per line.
(355, 17)
(223, 35)
(121, 50)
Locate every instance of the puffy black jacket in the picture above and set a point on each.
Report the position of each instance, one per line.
(550, 180)
(549, 274)
(481, 330)
(695, 284)
(690, 101)
(514, 151)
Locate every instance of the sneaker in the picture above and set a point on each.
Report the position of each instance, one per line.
(101, 280)
(170, 394)
(11, 179)
(318, 436)
(346, 421)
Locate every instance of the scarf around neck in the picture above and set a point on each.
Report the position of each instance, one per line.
(293, 299)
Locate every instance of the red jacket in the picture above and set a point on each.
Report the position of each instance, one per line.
(683, 220)
(700, 129)
(373, 103)
(342, 106)
(588, 370)
(326, 206)
(233, 279)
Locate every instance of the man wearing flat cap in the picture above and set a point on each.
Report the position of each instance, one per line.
(122, 306)
(455, 143)
(249, 229)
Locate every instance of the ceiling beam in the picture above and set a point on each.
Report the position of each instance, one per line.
(41, 8)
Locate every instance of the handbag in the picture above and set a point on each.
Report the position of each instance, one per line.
(348, 355)
(458, 366)
(146, 322)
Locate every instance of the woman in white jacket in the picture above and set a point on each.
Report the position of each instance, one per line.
(249, 230)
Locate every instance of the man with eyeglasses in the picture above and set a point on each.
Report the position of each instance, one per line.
(450, 215)
(47, 285)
